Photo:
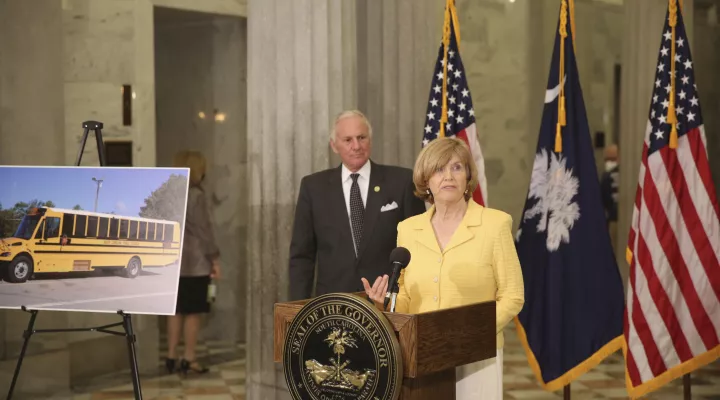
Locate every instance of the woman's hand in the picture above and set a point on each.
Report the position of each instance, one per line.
(215, 273)
(377, 291)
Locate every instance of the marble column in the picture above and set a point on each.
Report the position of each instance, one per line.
(397, 44)
(301, 72)
(31, 133)
(643, 24)
(31, 90)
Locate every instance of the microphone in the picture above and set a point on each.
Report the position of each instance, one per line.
(400, 258)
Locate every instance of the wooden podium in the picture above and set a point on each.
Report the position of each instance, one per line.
(432, 344)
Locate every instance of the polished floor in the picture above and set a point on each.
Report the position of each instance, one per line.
(226, 380)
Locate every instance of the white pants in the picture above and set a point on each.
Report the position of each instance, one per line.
(480, 380)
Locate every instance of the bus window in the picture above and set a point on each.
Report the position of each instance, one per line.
(169, 231)
(114, 224)
(143, 230)
(151, 231)
(52, 227)
(133, 229)
(92, 227)
(123, 229)
(103, 231)
(27, 227)
(80, 225)
(68, 224)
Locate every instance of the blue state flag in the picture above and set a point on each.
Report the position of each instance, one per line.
(574, 298)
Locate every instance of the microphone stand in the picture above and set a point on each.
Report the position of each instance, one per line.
(393, 297)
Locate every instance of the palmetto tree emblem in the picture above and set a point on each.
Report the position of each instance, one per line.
(554, 186)
(338, 339)
(336, 375)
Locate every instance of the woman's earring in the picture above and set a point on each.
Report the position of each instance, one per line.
(428, 192)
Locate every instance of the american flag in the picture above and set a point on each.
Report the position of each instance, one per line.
(672, 316)
(460, 111)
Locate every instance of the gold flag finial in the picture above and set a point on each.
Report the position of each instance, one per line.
(672, 117)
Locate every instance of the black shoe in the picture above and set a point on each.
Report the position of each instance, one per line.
(170, 365)
(193, 366)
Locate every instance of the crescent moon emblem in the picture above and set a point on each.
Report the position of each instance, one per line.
(552, 94)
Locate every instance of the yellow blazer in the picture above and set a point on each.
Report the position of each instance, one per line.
(478, 264)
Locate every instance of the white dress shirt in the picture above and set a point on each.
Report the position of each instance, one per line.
(363, 183)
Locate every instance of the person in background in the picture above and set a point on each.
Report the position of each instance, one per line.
(200, 264)
(609, 183)
(461, 253)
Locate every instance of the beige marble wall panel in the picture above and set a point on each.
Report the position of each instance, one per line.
(103, 52)
(495, 46)
(31, 92)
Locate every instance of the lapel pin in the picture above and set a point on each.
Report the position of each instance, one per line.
(377, 189)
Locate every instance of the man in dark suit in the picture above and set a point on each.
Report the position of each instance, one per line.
(346, 217)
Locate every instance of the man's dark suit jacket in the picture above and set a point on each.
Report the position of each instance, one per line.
(321, 231)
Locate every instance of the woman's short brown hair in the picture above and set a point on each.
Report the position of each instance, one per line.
(436, 155)
(195, 161)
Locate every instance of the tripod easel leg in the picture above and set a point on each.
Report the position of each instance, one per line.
(82, 146)
(28, 332)
(130, 335)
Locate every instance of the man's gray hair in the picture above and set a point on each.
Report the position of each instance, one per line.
(348, 114)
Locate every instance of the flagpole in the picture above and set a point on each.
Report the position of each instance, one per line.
(561, 98)
(673, 6)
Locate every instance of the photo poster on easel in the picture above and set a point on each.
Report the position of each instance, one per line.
(92, 239)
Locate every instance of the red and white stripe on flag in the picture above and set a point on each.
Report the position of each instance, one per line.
(470, 137)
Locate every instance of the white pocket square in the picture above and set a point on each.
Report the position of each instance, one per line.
(388, 207)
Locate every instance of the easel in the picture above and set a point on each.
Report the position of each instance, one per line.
(126, 320)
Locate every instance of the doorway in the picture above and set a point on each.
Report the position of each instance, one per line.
(201, 102)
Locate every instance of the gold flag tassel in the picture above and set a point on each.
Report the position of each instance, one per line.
(672, 117)
(562, 121)
(456, 23)
(446, 44)
(572, 21)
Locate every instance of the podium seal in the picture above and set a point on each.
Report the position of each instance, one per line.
(338, 347)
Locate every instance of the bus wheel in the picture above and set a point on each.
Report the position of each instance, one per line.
(133, 268)
(19, 269)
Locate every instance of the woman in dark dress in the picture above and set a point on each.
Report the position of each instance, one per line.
(200, 264)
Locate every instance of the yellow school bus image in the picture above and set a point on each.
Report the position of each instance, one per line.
(60, 240)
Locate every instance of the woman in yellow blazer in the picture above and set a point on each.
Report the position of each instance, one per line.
(461, 253)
